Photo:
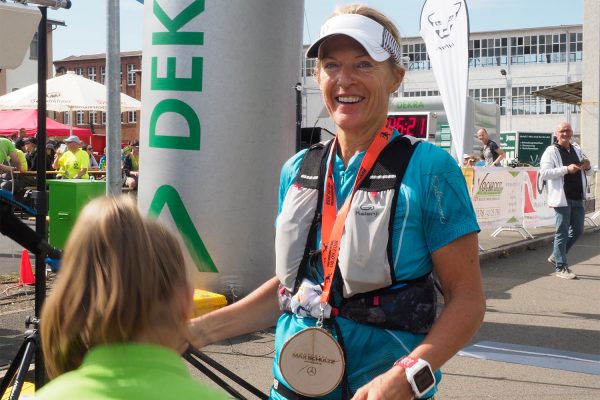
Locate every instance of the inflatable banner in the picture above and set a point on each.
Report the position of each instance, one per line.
(217, 124)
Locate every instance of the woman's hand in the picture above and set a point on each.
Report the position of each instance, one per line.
(391, 385)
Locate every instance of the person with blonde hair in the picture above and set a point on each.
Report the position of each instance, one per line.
(363, 221)
(117, 319)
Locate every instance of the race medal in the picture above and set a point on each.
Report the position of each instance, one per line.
(312, 362)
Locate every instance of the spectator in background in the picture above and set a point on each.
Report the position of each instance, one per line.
(116, 321)
(74, 163)
(481, 161)
(22, 133)
(131, 166)
(50, 154)
(90, 150)
(102, 162)
(19, 147)
(492, 153)
(9, 162)
(31, 152)
(564, 167)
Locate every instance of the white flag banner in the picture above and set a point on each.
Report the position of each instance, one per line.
(445, 29)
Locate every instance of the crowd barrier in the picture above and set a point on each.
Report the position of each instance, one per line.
(515, 199)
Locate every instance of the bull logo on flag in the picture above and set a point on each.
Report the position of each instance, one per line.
(442, 23)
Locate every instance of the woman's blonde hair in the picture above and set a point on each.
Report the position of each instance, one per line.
(122, 276)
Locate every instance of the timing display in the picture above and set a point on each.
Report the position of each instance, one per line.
(409, 124)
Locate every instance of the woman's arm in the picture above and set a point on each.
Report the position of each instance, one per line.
(457, 266)
(258, 310)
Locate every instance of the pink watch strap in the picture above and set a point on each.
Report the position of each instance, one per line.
(406, 362)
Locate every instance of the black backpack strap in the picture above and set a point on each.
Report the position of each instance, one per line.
(311, 175)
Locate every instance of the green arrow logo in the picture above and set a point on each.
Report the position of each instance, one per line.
(168, 195)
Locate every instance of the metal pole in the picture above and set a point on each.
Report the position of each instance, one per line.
(298, 89)
(42, 196)
(113, 94)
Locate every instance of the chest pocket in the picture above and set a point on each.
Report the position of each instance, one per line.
(363, 258)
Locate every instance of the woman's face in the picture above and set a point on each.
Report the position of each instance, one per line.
(355, 88)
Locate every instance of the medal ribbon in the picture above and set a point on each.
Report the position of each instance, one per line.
(332, 223)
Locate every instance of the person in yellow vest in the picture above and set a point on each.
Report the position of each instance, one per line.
(19, 147)
(73, 163)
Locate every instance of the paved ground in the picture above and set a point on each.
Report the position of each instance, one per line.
(526, 305)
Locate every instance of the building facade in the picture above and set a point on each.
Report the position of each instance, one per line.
(505, 68)
(93, 66)
(26, 73)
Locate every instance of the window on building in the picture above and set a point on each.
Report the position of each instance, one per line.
(79, 117)
(131, 117)
(33, 47)
(488, 52)
(79, 71)
(417, 56)
(308, 69)
(67, 118)
(524, 103)
(92, 117)
(102, 75)
(491, 96)
(91, 71)
(103, 118)
(420, 93)
(576, 47)
(544, 49)
(130, 74)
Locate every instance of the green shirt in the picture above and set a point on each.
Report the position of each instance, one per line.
(71, 163)
(128, 371)
(22, 159)
(6, 148)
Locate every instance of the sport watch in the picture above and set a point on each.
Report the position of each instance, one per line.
(418, 374)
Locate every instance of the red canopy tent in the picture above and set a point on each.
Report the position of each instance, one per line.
(12, 120)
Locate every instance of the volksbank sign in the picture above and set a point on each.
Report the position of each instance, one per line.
(217, 123)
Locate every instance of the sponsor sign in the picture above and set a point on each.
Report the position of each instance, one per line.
(497, 197)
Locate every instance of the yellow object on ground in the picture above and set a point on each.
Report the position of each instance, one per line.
(27, 392)
(205, 302)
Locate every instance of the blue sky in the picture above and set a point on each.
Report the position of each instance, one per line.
(85, 32)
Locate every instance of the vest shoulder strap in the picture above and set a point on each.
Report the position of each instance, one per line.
(389, 169)
(313, 166)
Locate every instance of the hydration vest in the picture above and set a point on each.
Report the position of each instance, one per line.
(365, 261)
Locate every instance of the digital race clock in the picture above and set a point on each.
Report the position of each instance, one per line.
(411, 124)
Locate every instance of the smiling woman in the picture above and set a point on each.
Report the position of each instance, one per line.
(364, 220)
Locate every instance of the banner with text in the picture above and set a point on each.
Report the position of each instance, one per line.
(497, 197)
(536, 212)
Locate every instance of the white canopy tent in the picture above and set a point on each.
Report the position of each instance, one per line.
(66, 93)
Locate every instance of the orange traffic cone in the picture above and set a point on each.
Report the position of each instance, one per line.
(26, 273)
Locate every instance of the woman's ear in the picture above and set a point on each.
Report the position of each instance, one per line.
(398, 77)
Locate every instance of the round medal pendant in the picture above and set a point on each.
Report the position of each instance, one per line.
(312, 362)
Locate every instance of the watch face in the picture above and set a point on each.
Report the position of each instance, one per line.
(424, 379)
